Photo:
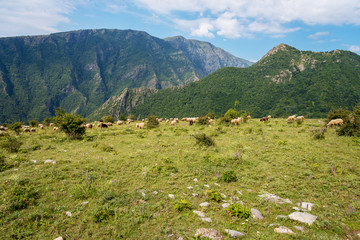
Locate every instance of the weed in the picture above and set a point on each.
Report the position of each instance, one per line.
(238, 210)
(102, 213)
(22, 196)
(229, 176)
(204, 140)
(182, 205)
(11, 144)
(213, 195)
(3, 164)
(318, 133)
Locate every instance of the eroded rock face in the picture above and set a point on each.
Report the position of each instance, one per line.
(208, 233)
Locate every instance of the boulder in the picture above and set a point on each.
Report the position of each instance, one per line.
(283, 229)
(234, 234)
(256, 214)
(303, 217)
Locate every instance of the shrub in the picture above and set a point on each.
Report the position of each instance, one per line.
(211, 115)
(3, 164)
(132, 117)
(16, 127)
(182, 205)
(107, 119)
(225, 119)
(244, 116)
(102, 213)
(351, 128)
(203, 120)
(231, 113)
(47, 121)
(204, 140)
(152, 122)
(122, 117)
(318, 133)
(22, 196)
(229, 176)
(34, 123)
(339, 113)
(213, 195)
(238, 210)
(11, 144)
(71, 124)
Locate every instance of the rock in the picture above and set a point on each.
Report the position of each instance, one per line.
(225, 205)
(273, 198)
(171, 196)
(68, 213)
(208, 233)
(50, 161)
(216, 184)
(234, 234)
(206, 219)
(34, 161)
(303, 217)
(256, 214)
(84, 203)
(306, 205)
(223, 195)
(143, 194)
(283, 229)
(205, 185)
(190, 187)
(204, 204)
(180, 238)
(195, 194)
(155, 192)
(59, 238)
(200, 214)
(195, 180)
(301, 229)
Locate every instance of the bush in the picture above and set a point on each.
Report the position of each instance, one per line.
(238, 210)
(34, 123)
(22, 196)
(339, 113)
(231, 113)
(213, 195)
(182, 205)
(318, 133)
(229, 176)
(204, 140)
(244, 116)
(351, 128)
(16, 127)
(152, 122)
(225, 119)
(47, 121)
(11, 144)
(107, 119)
(122, 117)
(211, 115)
(203, 120)
(3, 164)
(71, 124)
(132, 117)
(102, 213)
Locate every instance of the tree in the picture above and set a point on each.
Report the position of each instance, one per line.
(33, 123)
(152, 122)
(71, 124)
(16, 127)
(108, 118)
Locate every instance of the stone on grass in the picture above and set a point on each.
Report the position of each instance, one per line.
(68, 213)
(199, 213)
(205, 185)
(301, 229)
(34, 161)
(225, 205)
(256, 214)
(84, 203)
(273, 198)
(303, 217)
(50, 161)
(59, 238)
(206, 219)
(306, 205)
(208, 233)
(204, 204)
(171, 196)
(190, 187)
(283, 229)
(216, 184)
(155, 192)
(223, 195)
(234, 234)
(239, 192)
(195, 180)
(195, 194)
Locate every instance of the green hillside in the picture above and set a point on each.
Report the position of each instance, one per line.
(80, 70)
(285, 81)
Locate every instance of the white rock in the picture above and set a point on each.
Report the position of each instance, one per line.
(50, 161)
(190, 187)
(195, 180)
(195, 194)
(239, 192)
(84, 203)
(303, 217)
(68, 213)
(256, 214)
(143, 194)
(301, 229)
(204, 204)
(225, 205)
(306, 205)
(59, 238)
(205, 185)
(283, 229)
(15, 169)
(234, 234)
(34, 161)
(223, 195)
(206, 219)
(155, 192)
(273, 198)
(199, 213)
(171, 196)
(208, 233)
(216, 184)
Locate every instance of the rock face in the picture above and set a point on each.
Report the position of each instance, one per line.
(303, 217)
(208, 233)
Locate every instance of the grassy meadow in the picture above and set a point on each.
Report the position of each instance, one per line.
(115, 182)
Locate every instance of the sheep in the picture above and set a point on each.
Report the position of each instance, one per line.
(211, 121)
(2, 128)
(102, 125)
(173, 123)
(140, 125)
(51, 124)
(236, 121)
(291, 118)
(109, 124)
(264, 119)
(269, 116)
(32, 130)
(89, 125)
(129, 121)
(55, 128)
(26, 129)
(333, 122)
(300, 118)
(119, 122)
(41, 126)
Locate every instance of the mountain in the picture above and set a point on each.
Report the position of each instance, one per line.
(285, 81)
(80, 70)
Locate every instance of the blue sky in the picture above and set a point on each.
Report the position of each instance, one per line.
(245, 28)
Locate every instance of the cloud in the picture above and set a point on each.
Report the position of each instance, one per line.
(317, 35)
(28, 17)
(244, 18)
(354, 48)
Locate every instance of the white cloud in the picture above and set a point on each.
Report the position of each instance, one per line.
(317, 35)
(243, 18)
(28, 17)
(354, 48)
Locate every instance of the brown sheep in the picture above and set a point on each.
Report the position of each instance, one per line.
(264, 119)
(119, 122)
(55, 128)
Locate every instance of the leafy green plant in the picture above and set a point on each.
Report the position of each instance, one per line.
(71, 124)
(213, 195)
(16, 127)
(102, 213)
(318, 133)
(3, 164)
(22, 196)
(238, 210)
(203, 120)
(204, 140)
(152, 122)
(229, 176)
(11, 144)
(182, 205)
(33, 123)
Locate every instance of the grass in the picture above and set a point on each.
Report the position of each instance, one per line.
(116, 181)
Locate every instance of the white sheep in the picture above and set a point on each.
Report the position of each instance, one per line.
(333, 122)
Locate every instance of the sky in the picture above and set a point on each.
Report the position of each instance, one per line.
(246, 28)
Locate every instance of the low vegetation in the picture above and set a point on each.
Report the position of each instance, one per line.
(125, 182)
